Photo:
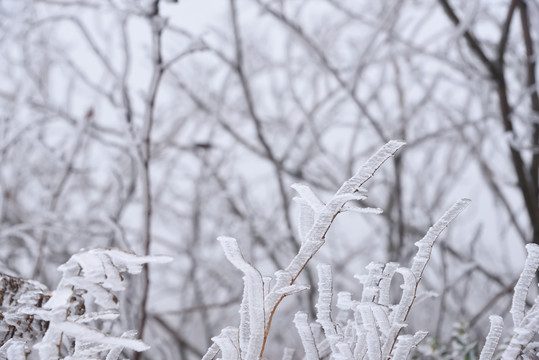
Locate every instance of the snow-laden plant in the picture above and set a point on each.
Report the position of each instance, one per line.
(371, 326)
(375, 326)
(75, 320)
(62, 324)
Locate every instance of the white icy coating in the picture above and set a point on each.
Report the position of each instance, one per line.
(524, 282)
(96, 272)
(227, 341)
(425, 245)
(493, 337)
(14, 349)
(252, 309)
(369, 168)
(373, 327)
(370, 282)
(325, 295)
(306, 336)
(526, 323)
(405, 344)
(87, 334)
(104, 266)
(332, 331)
(212, 351)
(374, 349)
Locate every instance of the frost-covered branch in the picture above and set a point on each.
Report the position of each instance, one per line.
(493, 337)
(258, 306)
(65, 320)
(526, 323)
(373, 325)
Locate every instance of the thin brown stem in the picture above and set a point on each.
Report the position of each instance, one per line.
(145, 155)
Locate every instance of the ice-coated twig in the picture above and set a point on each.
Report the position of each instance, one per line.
(333, 334)
(531, 352)
(374, 350)
(526, 324)
(306, 194)
(493, 337)
(254, 291)
(325, 295)
(306, 335)
(360, 349)
(400, 312)
(244, 329)
(371, 281)
(523, 335)
(406, 343)
(324, 218)
(228, 341)
(369, 168)
(524, 282)
(425, 245)
(403, 346)
(310, 206)
(385, 282)
(282, 279)
(374, 330)
(382, 320)
(212, 352)
(306, 218)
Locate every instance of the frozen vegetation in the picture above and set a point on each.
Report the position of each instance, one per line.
(133, 128)
(76, 320)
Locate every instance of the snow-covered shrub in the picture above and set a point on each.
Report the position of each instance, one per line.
(62, 324)
(370, 327)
